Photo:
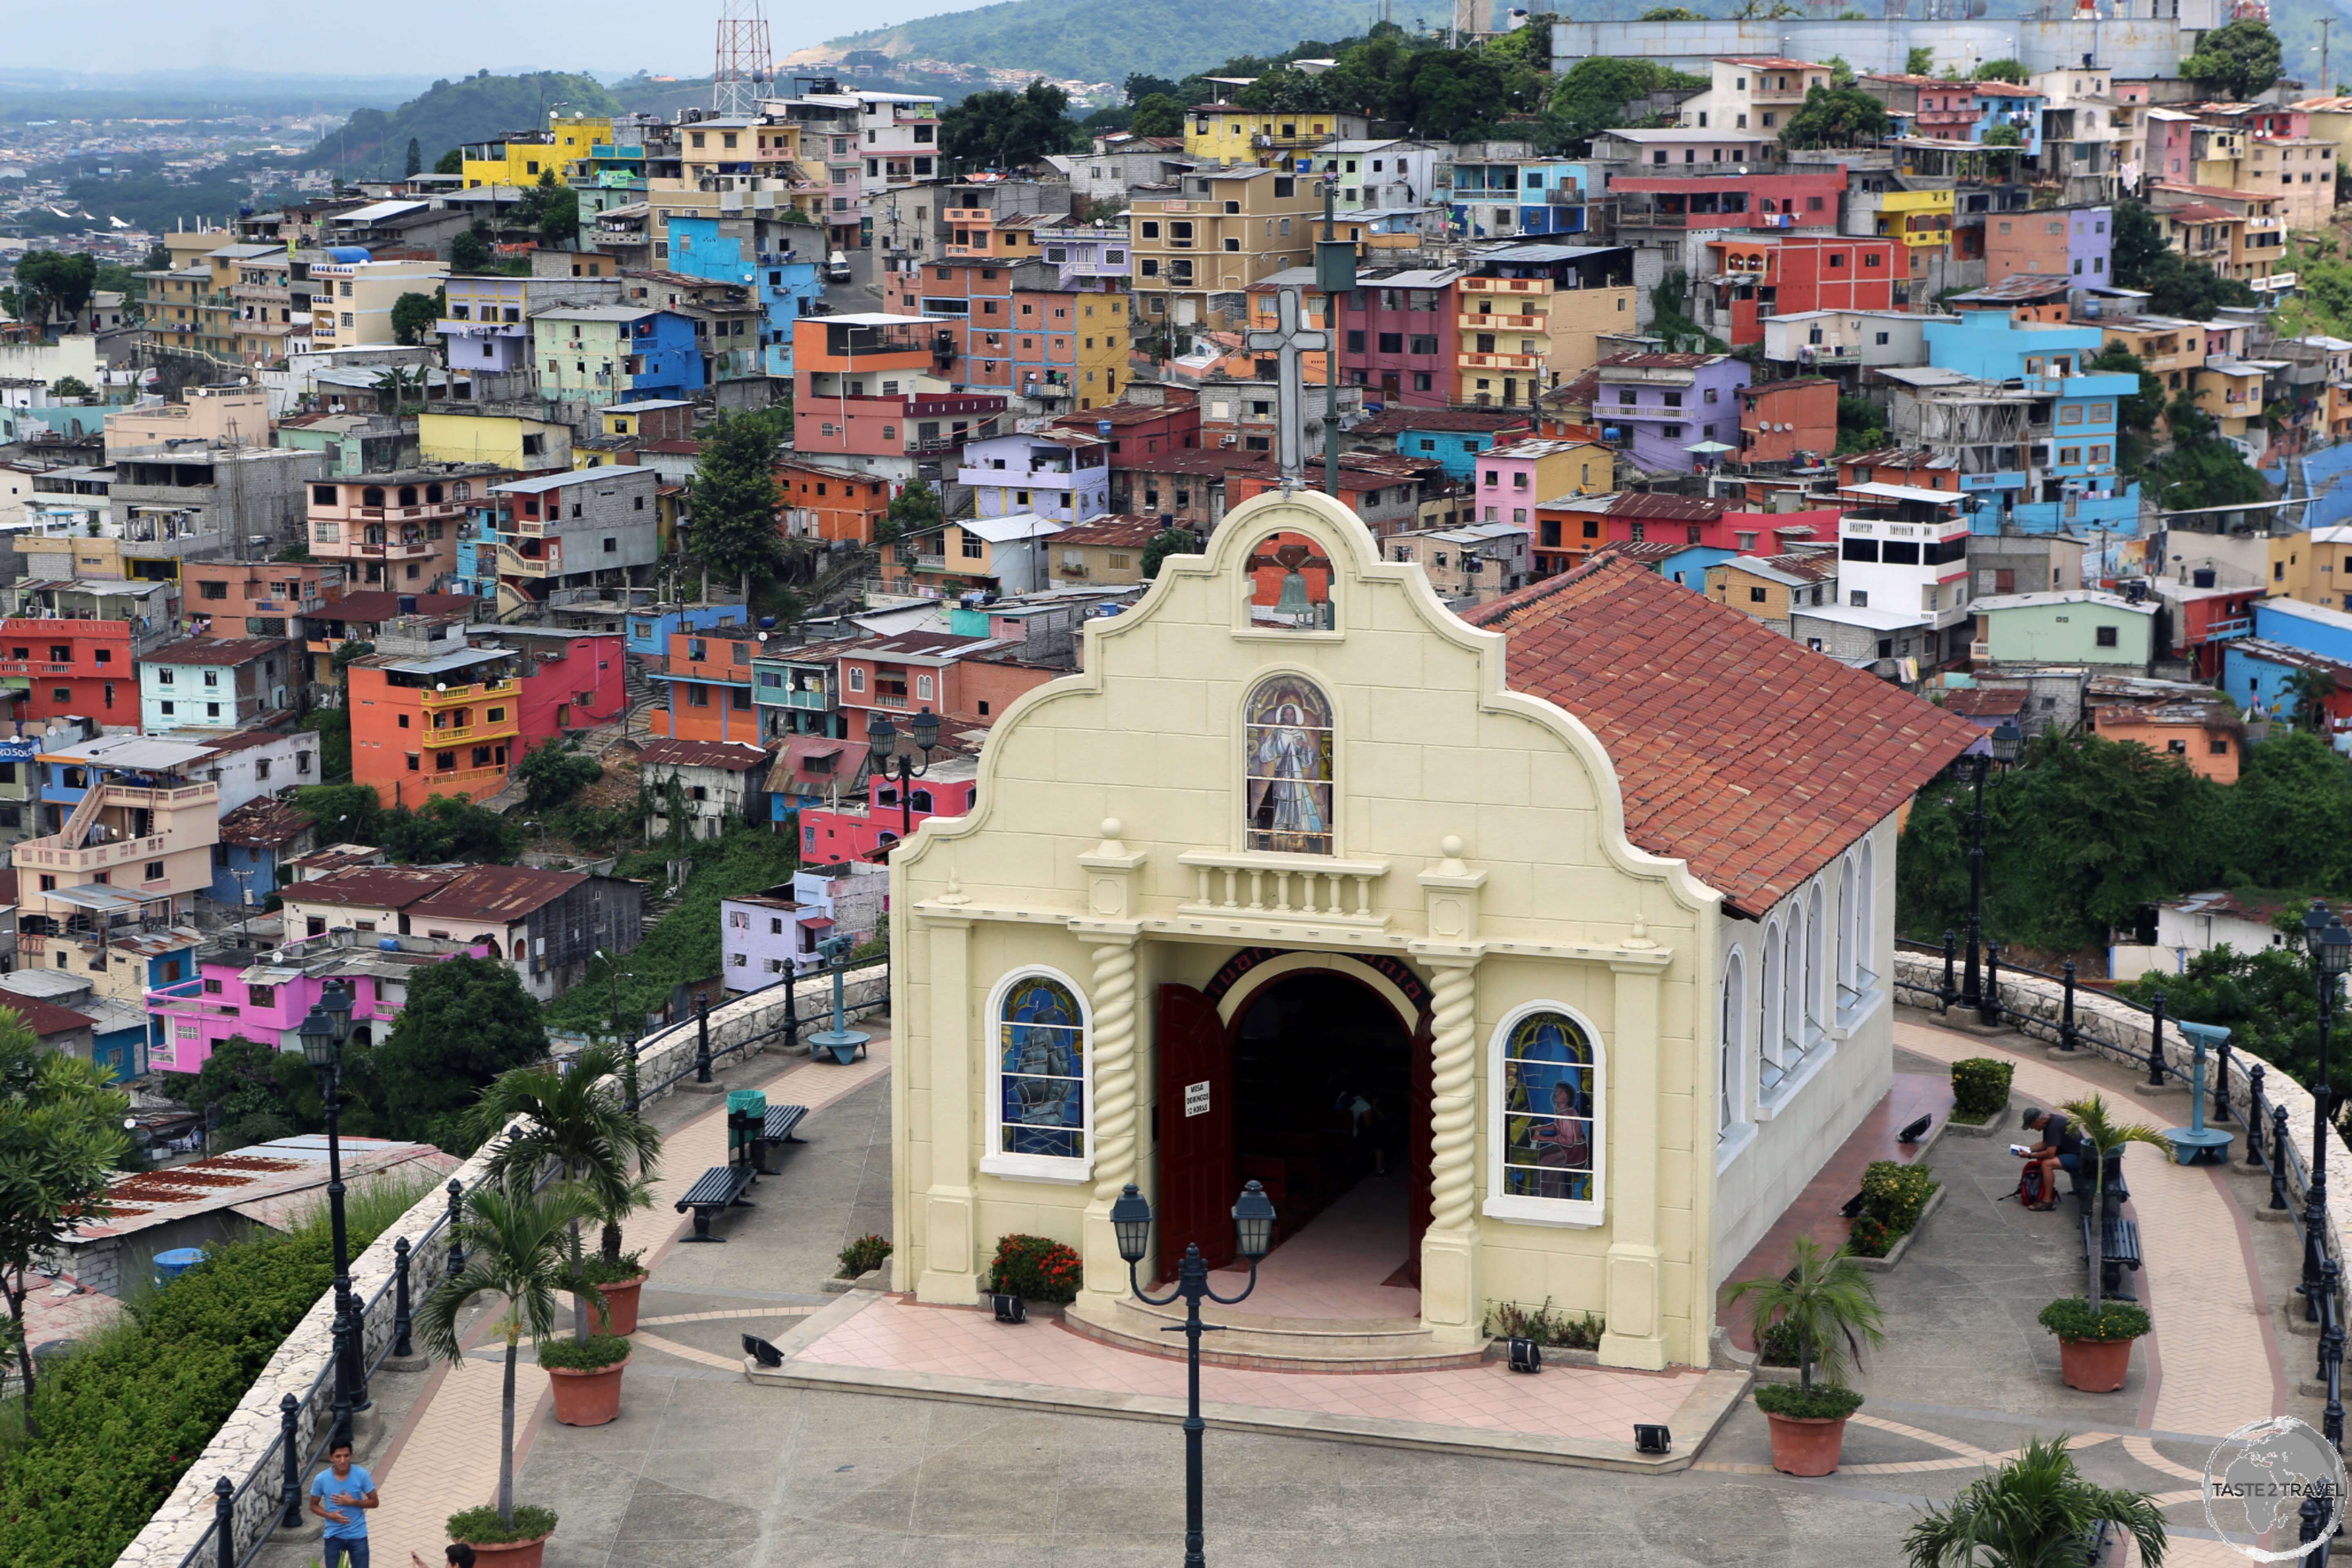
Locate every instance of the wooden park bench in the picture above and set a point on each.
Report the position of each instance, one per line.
(720, 1187)
(756, 1133)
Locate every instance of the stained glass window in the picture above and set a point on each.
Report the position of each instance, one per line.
(1041, 1046)
(1551, 1087)
(1288, 767)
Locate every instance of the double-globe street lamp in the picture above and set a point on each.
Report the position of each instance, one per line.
(323, 1033)
(884, 753)
(2007, 740)
(1130, 1220)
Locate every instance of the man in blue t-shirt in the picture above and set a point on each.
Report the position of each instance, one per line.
(341, 1494)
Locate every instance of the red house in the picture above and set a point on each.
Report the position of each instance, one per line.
(1779, 419)
(50, 667)
(832, 834)
(1401, 336)
(1802, 272)
(1138, 433)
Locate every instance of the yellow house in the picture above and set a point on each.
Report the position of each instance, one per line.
(1532, 332)
(1231, 134)
(512, 441)
(1920, 219)
(2231, 392)
(521, 159)
(1238, 858)
(1767, 588)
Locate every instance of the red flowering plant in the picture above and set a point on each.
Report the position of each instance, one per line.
(1036, 1269)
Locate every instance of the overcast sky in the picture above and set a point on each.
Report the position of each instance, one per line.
(428, 37)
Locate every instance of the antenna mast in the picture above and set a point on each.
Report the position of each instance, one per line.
(745, 64)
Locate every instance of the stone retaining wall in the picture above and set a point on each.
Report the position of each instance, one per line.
(246, 1441)
(2109, 1029)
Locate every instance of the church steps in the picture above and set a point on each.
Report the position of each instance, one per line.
(1277, 1345)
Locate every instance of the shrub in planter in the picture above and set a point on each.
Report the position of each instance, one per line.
(1868, 1239)
(1979, 1089)
(1894, 1194)
(1822, 1404)
(863, 1255)
(1509, 1321)
(617, 1281)
(1036, 1269)
(1829, 1306)
(584, 1376)
(2094, 1341)
(498, 1544)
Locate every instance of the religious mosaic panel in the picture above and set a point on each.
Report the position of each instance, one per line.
(1041, 1046)
(1550, 1088)
(1288, 741)
(1290, 585)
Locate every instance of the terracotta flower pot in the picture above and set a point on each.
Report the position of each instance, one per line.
(587, 1398)
(2094, 1366)
(621, 1303)
(1806, 1445)
(509, 1554)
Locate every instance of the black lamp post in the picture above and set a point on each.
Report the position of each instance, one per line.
(1131, 1221)
(884, 751)
(323, 1033)
(2330, 946)
(2006, 742)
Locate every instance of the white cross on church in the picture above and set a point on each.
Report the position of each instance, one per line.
(1291, 339)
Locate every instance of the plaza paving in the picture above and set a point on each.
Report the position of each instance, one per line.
(705, 1467)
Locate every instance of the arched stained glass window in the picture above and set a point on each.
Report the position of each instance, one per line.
(1287, 764)
(1551, 1092)
(1042, 1065)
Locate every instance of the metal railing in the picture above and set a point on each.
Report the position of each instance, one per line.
(217, 1545)
(2270, 1144)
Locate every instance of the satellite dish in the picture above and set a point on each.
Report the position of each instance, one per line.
(440, 686)
(764, 636)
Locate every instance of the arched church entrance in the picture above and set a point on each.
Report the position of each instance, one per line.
(1309, 1074)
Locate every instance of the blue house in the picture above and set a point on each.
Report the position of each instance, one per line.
(784, 283)
(1552, 197)
(648, 631)
(1688, 565)
(2018, 108)
(2072, 483)
(1453, 438)
(255, 839)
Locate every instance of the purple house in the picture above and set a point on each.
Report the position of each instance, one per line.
(761, 935)
(1658, 405)
(264, 992)
(2090, 243)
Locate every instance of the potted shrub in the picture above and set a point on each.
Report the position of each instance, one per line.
(516, 1250)
(584, 1378)
(1893, 1197)
(569, 1117)
(862, 1257)
(2094, 1340)
(1828, 1303)
(2035, 1509)
(616, 1280)
(1034, 1268)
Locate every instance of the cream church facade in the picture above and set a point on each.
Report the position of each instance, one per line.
(1546, 953)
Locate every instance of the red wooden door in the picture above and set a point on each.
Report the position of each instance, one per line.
(1420, 1071)
(1196, 1130)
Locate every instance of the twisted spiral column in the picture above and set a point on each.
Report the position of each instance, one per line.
(1112, 1045)
(1453, 1099)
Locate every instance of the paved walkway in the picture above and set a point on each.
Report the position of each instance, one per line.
(705, 1467)
(446, 1456)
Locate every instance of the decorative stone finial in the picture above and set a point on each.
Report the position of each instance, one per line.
(954, 893)
(1451, 847)
(1640, 937)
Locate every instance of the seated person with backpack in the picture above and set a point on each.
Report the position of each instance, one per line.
(2061, 1149)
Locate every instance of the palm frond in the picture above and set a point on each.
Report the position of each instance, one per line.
(2035, 1511)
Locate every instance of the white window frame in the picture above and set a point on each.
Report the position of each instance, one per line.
(1735, 1130)
(1770, 998)
(1567, 1213)
(1052, 1168)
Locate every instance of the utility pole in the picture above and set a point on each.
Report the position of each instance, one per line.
(2326, 82)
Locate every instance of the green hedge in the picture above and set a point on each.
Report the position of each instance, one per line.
(1979, 1089)
(132, 1408)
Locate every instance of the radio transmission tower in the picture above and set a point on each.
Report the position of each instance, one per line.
(745, 66)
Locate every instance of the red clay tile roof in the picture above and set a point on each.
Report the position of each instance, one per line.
(43, 1018)
(735, 756)
(1738, 751)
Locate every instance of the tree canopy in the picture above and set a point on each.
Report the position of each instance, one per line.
(1592, 95)
(413, 314)
(1157, 115)
(1001, 130)
(2008, 70)
(736, 532)
(1836, 116)
(2235, 61)
(467, 1021)
(51, 282)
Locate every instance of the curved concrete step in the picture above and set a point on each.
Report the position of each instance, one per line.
(1277, 1345)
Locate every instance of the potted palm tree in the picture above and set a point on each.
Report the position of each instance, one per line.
(515, 1250)
(2095, 1336)
(1828, 1307)
(569, 1117)
(2035, 1510)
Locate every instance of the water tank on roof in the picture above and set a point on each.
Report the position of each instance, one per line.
(347, 253)
(178, 1260)
(388, 944)
(2202, 577)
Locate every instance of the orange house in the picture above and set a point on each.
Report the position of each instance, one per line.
(829, 503)
(441, 724)
(1779, 419)
(2206, 734)
(705, 681)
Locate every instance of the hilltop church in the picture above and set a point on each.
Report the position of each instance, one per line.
(1541, 956)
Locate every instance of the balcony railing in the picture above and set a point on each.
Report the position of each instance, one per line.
(1288, 888)
(51, 853)
(1470, 322)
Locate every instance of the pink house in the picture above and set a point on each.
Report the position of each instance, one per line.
(857, 833)
(2169, 156)
(264, 994)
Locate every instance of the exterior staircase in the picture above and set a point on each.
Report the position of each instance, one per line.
(1275, 1344)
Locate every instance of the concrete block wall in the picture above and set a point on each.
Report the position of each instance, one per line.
(245, 1443)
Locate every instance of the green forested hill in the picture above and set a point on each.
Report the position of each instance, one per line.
(1103, 40)
(474, 108)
